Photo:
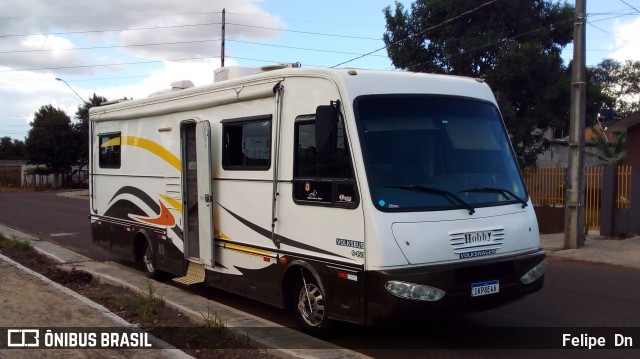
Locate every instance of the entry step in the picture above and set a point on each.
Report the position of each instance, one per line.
(195, 274)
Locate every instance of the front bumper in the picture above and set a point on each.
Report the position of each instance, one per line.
(455, 279)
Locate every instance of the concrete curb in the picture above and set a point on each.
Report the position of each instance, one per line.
(597, 249)
(167, 350)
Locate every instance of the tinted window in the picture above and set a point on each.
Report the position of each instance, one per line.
(247, 144)
(450, 147)
(109, 150)
(327, 181)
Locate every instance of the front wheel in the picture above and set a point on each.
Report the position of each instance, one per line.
(309, 305)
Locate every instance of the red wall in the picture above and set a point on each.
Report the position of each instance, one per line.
(633, 146)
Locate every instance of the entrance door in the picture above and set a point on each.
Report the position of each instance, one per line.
(197, 206)
(205, 198)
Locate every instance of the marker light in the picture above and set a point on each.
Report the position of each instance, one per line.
(534, 273)
(414, 291)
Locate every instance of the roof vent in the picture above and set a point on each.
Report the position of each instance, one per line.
(181, 85)
(233, 72)
(175, 86)
(289, 65)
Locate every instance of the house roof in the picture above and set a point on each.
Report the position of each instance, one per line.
(12, 163)
(624, 124)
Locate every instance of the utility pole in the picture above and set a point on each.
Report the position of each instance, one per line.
(574, 221)
(222, 43)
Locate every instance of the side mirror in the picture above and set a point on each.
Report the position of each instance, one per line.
(326, 130)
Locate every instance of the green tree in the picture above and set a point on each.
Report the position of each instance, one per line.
(81, 128)
(621, 83)
(11, 149)
(611, 154)
(514, 45)
(51, 141)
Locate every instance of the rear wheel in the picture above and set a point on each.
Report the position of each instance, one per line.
(309, 305)
(149, 261)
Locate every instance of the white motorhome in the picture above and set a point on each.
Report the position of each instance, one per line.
(341, 194)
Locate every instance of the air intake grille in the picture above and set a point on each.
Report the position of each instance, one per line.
(465, 242)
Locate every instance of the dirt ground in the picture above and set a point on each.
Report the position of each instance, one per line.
(28, 301)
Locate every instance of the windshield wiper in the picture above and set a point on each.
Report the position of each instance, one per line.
(442, 192)
(505, 192)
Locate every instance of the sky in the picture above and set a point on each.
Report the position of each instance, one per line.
(124, 48)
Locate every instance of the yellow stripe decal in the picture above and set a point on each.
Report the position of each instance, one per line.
(222, 236)
(225, 243)
(247, 249)
(112, 142)
(154, 148)
(173, 202)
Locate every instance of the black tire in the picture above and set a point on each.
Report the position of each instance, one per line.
(149, 261)
(309, 305)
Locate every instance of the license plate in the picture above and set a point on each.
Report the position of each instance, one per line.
(485, 288)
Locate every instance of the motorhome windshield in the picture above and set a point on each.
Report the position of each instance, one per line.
(436, 152)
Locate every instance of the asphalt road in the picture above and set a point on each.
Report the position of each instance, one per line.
(577, 296)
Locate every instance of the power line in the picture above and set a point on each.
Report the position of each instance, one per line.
(112, 30)
(111, 46)
(419, 33)
(297, 48)
(631, 6)
(193, 25)
(614, 17)
(105, 16)
(603, 30)
(306, 20)
(181, 43)
(307, 32)
(105, 65)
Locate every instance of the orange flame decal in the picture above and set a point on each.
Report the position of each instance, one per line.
(164, 219)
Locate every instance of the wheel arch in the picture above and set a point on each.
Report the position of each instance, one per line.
(292, 273)
(140, 239)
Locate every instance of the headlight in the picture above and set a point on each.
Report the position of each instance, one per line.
(534, 273)
(414, 291)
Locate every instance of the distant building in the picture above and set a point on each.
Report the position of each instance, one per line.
(557, 155)
(11, 172)
(630, 125)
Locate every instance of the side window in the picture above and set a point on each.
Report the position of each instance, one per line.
(322, 180)
(246, 143)
(109, 150)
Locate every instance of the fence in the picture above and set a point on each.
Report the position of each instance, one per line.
(623, 196)
(546, 186)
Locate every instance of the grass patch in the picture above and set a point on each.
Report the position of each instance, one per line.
(212, 320)
(18, 244)
(148, 306)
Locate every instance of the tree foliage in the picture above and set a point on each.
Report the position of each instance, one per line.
(611, 154)
(11, 149)
(51, 141)
(81, 128)
(514, 45)
(621, 84)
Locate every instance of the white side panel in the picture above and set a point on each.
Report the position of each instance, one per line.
(331, 232)
(145, 188)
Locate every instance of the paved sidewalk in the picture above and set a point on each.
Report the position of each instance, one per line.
(620, 252)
